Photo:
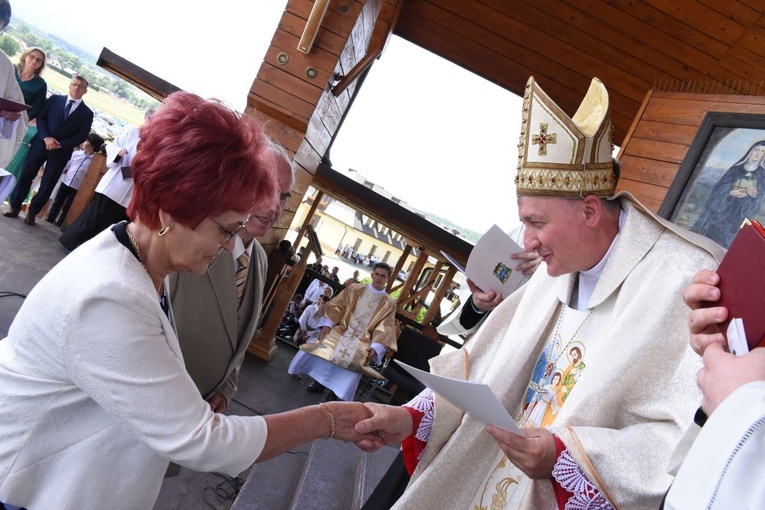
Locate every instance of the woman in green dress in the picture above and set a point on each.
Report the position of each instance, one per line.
(35, 90)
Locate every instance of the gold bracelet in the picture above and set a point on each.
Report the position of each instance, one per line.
(331, 421)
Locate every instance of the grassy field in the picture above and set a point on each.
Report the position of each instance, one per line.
(106, 103)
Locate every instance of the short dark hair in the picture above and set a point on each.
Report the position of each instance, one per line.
(95, 141)
(82, 79)
(5, 13)
(383, 265)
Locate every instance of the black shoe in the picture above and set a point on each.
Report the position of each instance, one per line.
(315, 387)
(11, 213)
(30, 219)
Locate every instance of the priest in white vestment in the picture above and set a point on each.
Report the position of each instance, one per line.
(598, 339)
(358, 326)
(13, 125)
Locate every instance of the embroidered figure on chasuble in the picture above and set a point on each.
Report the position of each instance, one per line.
(575, 333)
(349, 341)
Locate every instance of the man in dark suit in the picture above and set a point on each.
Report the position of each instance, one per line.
(62, 124)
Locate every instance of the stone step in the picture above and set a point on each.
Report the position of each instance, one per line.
(372, 467)
(329, 477)
(318, 476)
(272, 485)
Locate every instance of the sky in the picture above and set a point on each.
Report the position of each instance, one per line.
(430, 133)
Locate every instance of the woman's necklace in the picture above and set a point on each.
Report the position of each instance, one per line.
(161, 290)
(29, 77)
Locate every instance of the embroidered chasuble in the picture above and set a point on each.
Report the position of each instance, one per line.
(361, 316)
(627, 402)
(561, 364)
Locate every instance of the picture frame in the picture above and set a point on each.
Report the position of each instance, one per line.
(721, 180)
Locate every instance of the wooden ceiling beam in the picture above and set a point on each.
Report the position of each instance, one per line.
(418, 231)
(153, 85)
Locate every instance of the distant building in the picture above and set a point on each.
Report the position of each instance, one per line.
(339, 226)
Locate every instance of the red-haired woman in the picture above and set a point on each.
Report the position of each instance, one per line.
(94, 395)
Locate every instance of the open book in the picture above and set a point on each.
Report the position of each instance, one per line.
(490, 266)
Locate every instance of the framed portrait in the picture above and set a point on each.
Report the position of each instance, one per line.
(721, 181)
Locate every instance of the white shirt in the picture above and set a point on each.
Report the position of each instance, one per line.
(76, 168)
(76, 103)
(112, 184)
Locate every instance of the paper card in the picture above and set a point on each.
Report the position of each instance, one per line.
(459, 267)
(475, 398)
(736, 335)
(490, 266)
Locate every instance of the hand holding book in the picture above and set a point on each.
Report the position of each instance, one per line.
(742, 288)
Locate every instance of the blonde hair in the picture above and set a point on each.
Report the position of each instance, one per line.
(26, 52)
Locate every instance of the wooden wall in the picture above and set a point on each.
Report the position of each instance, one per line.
(300, 111)
(660, 136)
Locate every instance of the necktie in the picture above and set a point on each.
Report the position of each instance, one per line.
(68, 108)
(241, 274)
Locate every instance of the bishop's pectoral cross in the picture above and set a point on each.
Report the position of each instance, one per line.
(542, 139)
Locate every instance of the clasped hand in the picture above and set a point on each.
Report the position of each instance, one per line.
(723, 372)
(533, 453)
(10, 116)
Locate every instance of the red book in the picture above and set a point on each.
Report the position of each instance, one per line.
(742, 283)
(6, 105)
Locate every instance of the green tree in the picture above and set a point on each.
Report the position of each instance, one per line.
(9, 45)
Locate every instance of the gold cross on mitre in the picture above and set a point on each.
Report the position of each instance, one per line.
(543, 139)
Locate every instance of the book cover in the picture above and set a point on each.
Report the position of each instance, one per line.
(742, 283)
(6, 105)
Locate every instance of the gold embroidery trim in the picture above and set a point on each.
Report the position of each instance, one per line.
(591, 469)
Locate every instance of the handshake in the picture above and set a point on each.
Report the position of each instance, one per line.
(369, 426)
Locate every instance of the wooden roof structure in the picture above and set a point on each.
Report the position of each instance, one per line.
(321, 50)
(631, 45)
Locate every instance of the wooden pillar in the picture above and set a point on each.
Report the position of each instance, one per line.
(96, 170)
(263, 345)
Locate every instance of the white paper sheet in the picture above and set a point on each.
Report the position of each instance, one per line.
(476, 399)
(490, 266)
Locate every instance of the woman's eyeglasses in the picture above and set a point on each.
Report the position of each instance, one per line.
(229, 234)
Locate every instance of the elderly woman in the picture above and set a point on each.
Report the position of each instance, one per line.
(94, 396)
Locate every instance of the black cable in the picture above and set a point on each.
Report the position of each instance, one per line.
(227, 490)
(7, 293)
(248, 407)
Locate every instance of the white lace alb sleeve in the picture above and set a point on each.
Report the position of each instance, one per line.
(424, 402)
